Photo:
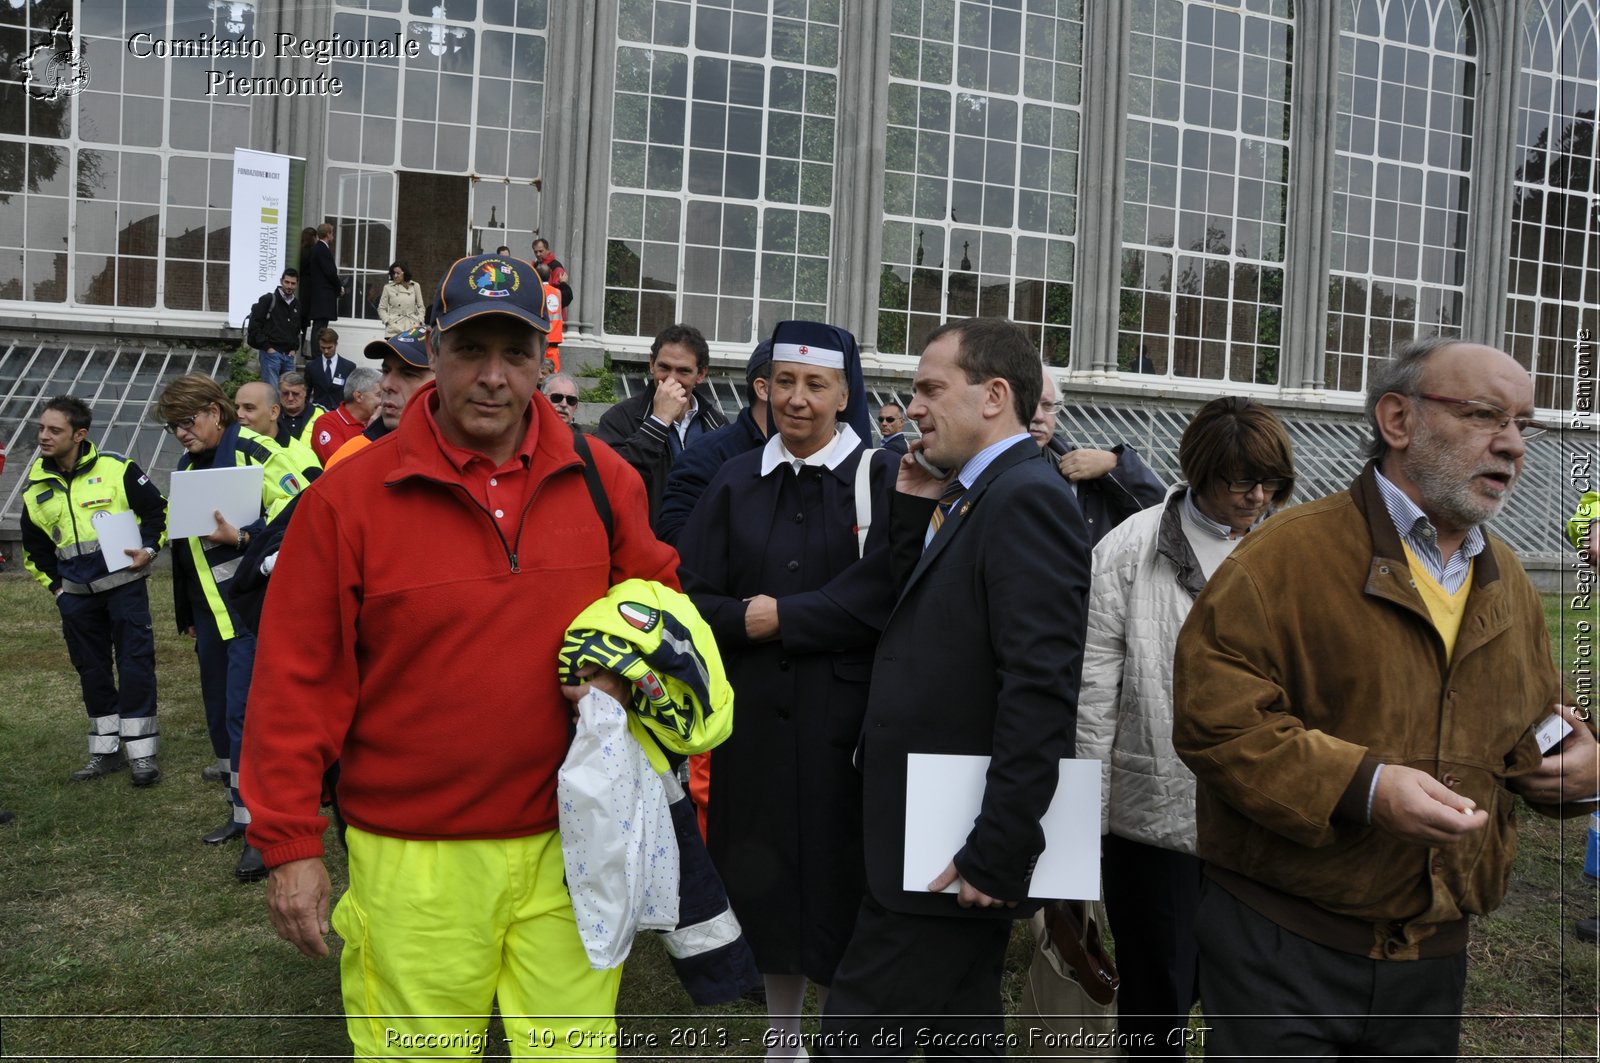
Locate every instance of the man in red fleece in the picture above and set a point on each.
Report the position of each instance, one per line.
(403, 563)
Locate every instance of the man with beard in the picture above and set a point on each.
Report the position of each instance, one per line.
(1356, 690)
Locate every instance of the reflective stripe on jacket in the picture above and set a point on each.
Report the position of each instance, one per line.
(61, 545)
(202, 568)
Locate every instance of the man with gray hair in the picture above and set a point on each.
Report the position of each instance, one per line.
(299, 413)
(347, 420)
(1356, 691)
(562, 391)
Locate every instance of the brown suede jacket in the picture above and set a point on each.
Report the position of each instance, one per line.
(1309, 659)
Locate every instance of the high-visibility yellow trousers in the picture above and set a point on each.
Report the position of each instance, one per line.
(434, 931)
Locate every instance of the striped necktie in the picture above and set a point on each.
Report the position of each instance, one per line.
(946, 501)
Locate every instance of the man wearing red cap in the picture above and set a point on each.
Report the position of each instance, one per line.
(448, 741)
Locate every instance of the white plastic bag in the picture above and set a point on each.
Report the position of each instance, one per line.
(617, 840)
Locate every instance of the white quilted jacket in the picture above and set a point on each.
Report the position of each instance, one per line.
(1137, 603)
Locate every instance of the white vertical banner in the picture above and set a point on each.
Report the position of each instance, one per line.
(260, 221)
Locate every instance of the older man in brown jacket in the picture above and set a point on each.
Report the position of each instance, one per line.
(1356, 691)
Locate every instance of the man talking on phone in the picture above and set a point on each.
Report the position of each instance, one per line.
(980, 656)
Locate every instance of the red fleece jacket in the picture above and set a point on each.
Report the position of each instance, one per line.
(401, 639)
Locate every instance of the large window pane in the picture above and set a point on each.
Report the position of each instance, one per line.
(1206, 189)
(1404, 137)
(723, 149)
(982, 162)
(1555, 238)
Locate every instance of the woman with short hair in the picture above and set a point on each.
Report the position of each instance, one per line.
(206, 424)
(1239, 467)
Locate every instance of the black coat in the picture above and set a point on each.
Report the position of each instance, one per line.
(629, 430)
(274, 323)
(693, 471)
(319, 285)
(981, 656)
(1107, 501)
(326, 391)
(784, 816)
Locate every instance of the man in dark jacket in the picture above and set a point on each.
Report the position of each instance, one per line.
(1111, 485)
(695, 470)
(891, 426)
(323, 288)
(979, 657)
(673, 413)
(326, 373)
(274, 328)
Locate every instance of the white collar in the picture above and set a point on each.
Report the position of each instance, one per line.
(775, 455)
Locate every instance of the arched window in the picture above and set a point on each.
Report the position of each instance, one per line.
(1203, 224)
(980, 195)
(1407, 82)
(720, 211)
(1555, 214)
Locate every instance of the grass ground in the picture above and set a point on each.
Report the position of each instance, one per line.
(122, 936)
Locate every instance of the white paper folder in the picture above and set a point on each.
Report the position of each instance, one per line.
(118, 533)
(944, 793)
(197, 493)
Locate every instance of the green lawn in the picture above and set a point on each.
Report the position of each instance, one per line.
(122, 936)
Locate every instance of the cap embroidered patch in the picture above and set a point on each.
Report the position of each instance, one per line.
(495, 278)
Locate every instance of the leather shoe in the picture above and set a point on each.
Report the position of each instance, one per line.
(1588, 929)
(225, 833)
(250, 867)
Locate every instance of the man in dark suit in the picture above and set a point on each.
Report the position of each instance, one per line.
(891, 425)
(981, 657)
(326, 372)
(320, 286)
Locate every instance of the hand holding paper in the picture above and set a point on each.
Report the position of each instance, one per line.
(119, 540)
(199, 495)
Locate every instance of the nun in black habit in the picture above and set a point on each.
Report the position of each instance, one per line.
(772, 559)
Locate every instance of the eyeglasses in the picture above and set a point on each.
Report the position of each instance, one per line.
(185, 425)
(887, 420)
(1272, 486)
(1049, 407)
(1488, 417)
(563, 400)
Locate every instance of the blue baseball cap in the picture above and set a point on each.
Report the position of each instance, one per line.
(489, 284)
(411, 345)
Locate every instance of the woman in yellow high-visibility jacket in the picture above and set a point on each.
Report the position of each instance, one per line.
(206, 425)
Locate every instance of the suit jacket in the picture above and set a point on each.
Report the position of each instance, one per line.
(896, 443)
(326, 391)
(980, 656)
(319, 285)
